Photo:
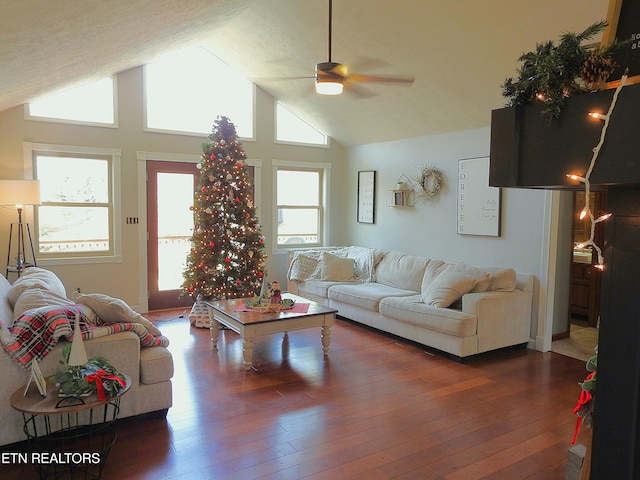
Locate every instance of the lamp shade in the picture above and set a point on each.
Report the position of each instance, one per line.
(19, 192)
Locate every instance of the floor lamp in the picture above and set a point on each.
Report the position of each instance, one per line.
(19, 193)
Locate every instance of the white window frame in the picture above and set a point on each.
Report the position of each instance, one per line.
(323, 234)
(146, 128)
(114, 256)
(114, 124)
(276, 103)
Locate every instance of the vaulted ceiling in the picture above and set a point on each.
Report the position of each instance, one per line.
(458, 52)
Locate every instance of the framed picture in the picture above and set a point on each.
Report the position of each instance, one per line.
(366, 196)
(478, 203)
(623, 20)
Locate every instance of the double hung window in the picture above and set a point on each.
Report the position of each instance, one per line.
(300, 204)
(77, 217)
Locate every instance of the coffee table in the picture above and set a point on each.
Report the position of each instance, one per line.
(250, 324)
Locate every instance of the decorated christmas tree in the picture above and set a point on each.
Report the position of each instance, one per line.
(227, 247)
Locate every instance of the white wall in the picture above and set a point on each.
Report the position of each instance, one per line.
(430, 229)
(127, 280)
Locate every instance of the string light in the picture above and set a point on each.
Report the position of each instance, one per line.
(576, 177)
(598, 116)
(586, 211)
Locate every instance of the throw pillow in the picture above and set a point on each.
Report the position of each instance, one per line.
(434, 268)
(302, 267)
(448, 287)
(114, 310)
(481, 275)
(334, 268)
(503, 279)
(35, 277)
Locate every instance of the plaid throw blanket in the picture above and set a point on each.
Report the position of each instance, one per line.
(36, 332)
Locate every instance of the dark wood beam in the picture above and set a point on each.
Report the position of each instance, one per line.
(528, 153)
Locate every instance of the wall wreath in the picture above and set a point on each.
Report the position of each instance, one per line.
(430, 181)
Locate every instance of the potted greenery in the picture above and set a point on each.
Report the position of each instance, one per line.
(584, 407)
(97, 375)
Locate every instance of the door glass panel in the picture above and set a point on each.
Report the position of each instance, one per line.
(175, 227)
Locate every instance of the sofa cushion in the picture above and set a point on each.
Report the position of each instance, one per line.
(448, 287)
(36, 298)
(334, 268)
(318, 288)
(156, 365)
(365, 295)
(412, 310)
(114, 310)
(502, 279)
(400, 270)
(35, 277)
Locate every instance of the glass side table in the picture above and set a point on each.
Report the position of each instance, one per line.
(68, 439)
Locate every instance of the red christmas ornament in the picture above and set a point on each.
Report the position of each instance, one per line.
(212, 244)
(238, 282)
(202, 264)
(191, 289)
(191, 208)
(237, 200)
(260, 274)
(213, 156)
(228, 260)
(239, 165)
(203, 189)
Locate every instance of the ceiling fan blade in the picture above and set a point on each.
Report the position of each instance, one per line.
(259, 80)
(379, 79)
(358, 91)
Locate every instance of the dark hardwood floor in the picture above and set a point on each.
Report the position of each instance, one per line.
(376, 408)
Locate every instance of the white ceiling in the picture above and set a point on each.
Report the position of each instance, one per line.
(458, 51)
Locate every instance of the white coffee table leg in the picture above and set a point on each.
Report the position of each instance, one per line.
(214, 328)
(326, 338)
(247, 352)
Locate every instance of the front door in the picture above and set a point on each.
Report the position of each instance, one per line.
(170, 189)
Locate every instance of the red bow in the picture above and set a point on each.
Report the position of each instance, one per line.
(584, 399)
(99, 377)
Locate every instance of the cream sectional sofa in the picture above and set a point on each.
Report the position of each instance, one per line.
(150, 368)
(456, 308)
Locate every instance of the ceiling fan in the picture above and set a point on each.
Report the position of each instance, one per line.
(331, 76)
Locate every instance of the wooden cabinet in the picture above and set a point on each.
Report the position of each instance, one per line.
(584, 298)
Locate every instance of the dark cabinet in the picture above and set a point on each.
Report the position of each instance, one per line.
(584, 298)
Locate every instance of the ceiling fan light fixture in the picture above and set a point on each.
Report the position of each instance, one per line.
(329, 78)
